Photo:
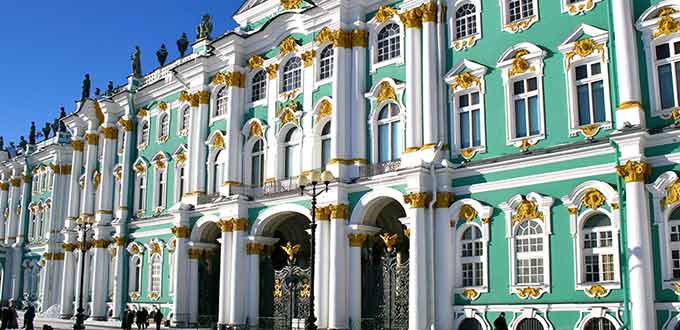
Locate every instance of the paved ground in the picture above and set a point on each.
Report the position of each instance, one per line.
(68, 325)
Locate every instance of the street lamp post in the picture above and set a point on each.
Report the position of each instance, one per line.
(310, 189)
(84, 225)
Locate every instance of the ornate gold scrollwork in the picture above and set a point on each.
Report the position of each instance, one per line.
(634, 171)
(666, 25)
(467, 213)
(525, 293)
(593, 199)
(291, 250)
(389, 240)
(385, 13)
(417, 200)
(527, 210)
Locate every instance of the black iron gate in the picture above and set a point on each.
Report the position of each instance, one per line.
(390, 278)
(291, 293)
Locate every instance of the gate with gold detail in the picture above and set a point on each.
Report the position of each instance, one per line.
(291, 293)
(385, 292)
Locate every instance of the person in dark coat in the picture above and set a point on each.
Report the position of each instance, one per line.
(142, 319)
(3, 315)
(500, 323)
(130, 319)
(124, 319)
(29, 316)
(12, 322)
(158, 318)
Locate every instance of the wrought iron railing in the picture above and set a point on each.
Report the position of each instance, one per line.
(385, 167)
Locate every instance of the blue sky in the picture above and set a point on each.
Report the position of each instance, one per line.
(47, 47)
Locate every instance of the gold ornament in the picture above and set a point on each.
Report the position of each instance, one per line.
(525, 293)
(125, 124)
(110, 133)
(254, 249)
(589, 131)
(467, 213)
(288, 46)
(155, 248)
(4, 186)
(385, 13)
(417, 200)
(255, 62)
(290, 4)
(386, 92)
(666, 25)
(412, 18)
(360, 38)
(527, 210)
(596, 291)
(342, 39)
(519, 25)
(256, 129)
(593, 199)
(634, 171)
(356, 240)
(464, 43)
(429, 11)
(444, 200)
(278, 291)
(181, 231)
(325, 110)
(324, 36)
(470, 294)
(584, 48)
(291, 250)
(142, 112)
(272, 71)
(163, 106)
(519, 64)
(92, 139)
(672, 194)
(218, 142)
(204, 97)
(465, 80)
(239, 224)
(308, 58)
(340, 211)
(323, 213)
(580, 8)
(389, 240)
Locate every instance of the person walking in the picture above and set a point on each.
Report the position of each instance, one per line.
(130, 319)
(3, 315)
(123, 319)
(29, 316)
(12, 322)
(158, 318)
(500, 323)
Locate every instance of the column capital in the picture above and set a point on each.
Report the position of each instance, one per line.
(634, 171)
(308, 58)
(225, 225)
(342, 39)
(92, 139)
(15, 182)
(77, 145)
(360, 38)
(417, 200)
(323, 213)
(357, 239)
(239, 224)
(110, 133)
(444, 199)
(4, 186)
(181, 231)
(429, 12)
(412, 19)
(339, 211)
(255, 249)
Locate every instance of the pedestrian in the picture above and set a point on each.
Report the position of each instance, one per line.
(158, 318)
(29, 316)
(12, 322)
(145, 324)
(123, 319)
(500, 323)
(130, 319)
(3, 315)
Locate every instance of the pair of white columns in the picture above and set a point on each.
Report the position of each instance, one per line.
(233, 269)
(198, 152)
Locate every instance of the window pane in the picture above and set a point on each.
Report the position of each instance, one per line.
(474, 98)
(518, 87)
(666, 86)
(533, 115)
(581, 72)
(476, 131)
(396, 141)
(583, 95)
(595, 69)
(383, 143)
(598, 101)
(465, 130)
(520, 119)
(663, 51)
(463, 100)
(532, 84)
(677, 78)
(325, 152)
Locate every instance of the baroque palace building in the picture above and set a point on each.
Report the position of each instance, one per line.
(516, 156)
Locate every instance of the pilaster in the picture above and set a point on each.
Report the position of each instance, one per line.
(236, 83)
(238, 270)
(414, 113)
(358, 114)
(418, 286)
(630, 110)
(341, 154)
(337, 316)
(431, 81)
(183, 270)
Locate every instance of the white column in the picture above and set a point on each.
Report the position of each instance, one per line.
(253, 250)
(337, 292)
(322, 258)
(442, 48)
(414, 114)
(4, 196)
(309, 159)
(431, 81)
(119, 269)
(271, 168)
(88, 203)
(417, 291)
(225, 255)
(358, 115)
(234, 137)
(198, 151)
(69, 280)
(638, 235)
(194, 255)
(340, 125)
(14, 204)
(238, 255)
(182, 277)
(630, 109)
(443, 263)
(354, 281)
(126, 165)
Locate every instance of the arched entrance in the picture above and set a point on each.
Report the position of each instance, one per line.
(285, 272)
(385, 268)
(208, 274)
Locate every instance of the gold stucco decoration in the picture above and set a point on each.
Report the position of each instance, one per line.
(77, 145)
(339, 211)
(581, 7)
(308, 58)
(634, 171)
(4, 186)
(465, 43)
(672, 194)
(666, 25)
(589, 131)
(520, 25)
(110, 133)
(389, 240)
(470, 294)
(519, 64)
(385, 13)
(583, 48)
(413, 18)
(527, 210)
(288, 46)
(525, 293)
(272, 71)
(360, 38)
(291, 250)
(593, 199)
(255, 62)
(155, 248)
(92, 139)
(386, 92)
(125, 124)
(218, 142)
(255, 129)
(291, 4)
(181, 231)
(465, 80)
(417, 200)
(356, 240)
(324, 36)
(444, 199)
(467, 213)
(254, 249)
(323, 213)
(325, 110)
(163, 106)
(429, 12)
(342, 39)
(596, 291)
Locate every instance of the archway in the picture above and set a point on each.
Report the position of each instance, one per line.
(208, 274)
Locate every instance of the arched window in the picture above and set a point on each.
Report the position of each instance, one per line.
(218, 170)
(257, 164)
(291, 145)
(161, 187)
(155, 273)
(470, 324)
(530, 324)
(389, 42)
(325, 145)
(292, 75)
(389, 128)
(136, 274)
(221, 104)
(674, 224)
(259, 86)
(163, 126)
(471, 254)
(185, 120)
(140, 201)
(598, 249)
(601, 323)
(144, 133)
(529, 263)
(326, 63)
(466, 21)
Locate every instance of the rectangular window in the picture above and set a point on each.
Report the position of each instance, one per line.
(470, 121)
(520, 9)
(473, 274)
(668, 69)
(675, 255)
(592, 264)
(590, 93)
(527, 113)
(533, 244)
(608, 267)
(530, 271)
(675, 233)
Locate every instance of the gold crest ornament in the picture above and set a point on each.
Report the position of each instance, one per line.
(385, 13)
(291, 250)
(593, 199)
(527, 210)
(389, 240)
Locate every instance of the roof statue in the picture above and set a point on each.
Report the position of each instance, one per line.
(62, 115)
(137, 63)
(31, 133)
(86, 87)
(22, 143)
(204, 29)
(97, 91)
(109, 88)
(46, 131)
(2, 143)
(162, 55)
(182, 44)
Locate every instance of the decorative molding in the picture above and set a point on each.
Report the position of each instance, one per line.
(288, 46)
(385, 13)
(386, 92)
(417, 200)
(255, 62)
(360, 38)
(181, 231)
(412, 19)
(634, 171)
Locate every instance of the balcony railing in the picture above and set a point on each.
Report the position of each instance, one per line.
(385, 167)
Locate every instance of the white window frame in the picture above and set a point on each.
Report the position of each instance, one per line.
(160, 136)
(160, 190)
(215, 113)
(662, 213)
(580, 7)
(248, 160)
(318, 133)
(248, 147)
(572, 60)
(183, 130)
(517, 25)
(134, 281)
(483, 212)
(376, 106)
(479, 72)
(534, 60)
(150, 265)
(648, 25)
(140, 177)
(144, 134)
(543, 204)
(251, 85)
(296, 140)
(470, 40)
(283, 73)
(177, 192)
(321, 59)
(374, 28)
(213, 153)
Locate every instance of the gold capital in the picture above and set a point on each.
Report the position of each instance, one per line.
(323, 213)
(255, 62)
(360, 38)
(77, 145)
(254, 249)
(342, 39)
(412, 18)
(110, 133)
(92, 139)
(634, 171)
(357, 240)
(417, 200)
(340, 211)
(429, 11)
(181, 232)
(444, 200)
(4, 186)
(239, 224)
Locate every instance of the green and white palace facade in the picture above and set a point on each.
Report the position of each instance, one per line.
(489, 156)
